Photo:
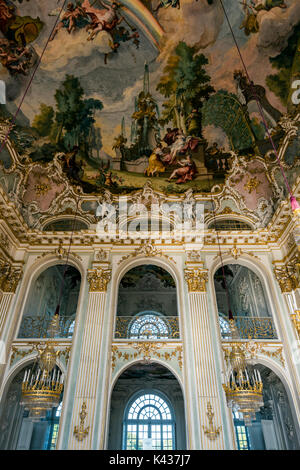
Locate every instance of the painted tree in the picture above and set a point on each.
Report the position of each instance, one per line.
(186, 85)
(288, 65)
(44, 120)
(224, 110)
(75, 115)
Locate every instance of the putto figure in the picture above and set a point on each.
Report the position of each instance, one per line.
(74, 16)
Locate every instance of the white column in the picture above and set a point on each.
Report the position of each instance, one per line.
(90, 363)
(5, 302)
(206, 378)
(9, 280)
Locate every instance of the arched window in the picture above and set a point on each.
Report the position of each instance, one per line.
(148, 326)
(149, 424)
(65, 225)
(44, 296)
(147, 304)
(240, 290)
(229, 224)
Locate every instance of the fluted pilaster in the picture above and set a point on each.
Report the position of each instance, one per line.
(90, 360)
(206, 377)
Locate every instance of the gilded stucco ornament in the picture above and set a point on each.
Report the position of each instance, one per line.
(196, 279)
(98, 279)
(287, 275)
(148, 350)
(10, 277)
(296, 321)
(80, 432)
(212, 431)
(146, 249)
(251, 349)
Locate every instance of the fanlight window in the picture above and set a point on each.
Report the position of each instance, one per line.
(149, 422)
(148, 326)
(65, 225)
(229, 224)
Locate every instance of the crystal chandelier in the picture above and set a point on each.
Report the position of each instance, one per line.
(244, 391)
(43, 383)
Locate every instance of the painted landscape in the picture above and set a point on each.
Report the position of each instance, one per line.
(121, 93)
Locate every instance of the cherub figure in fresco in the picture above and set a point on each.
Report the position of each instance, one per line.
(251, 9)
(166, 4)
(101, 20)
(110, 42)
(74, 16)
(186, 172)
(267, 4)
(15, 59)
(250, 23)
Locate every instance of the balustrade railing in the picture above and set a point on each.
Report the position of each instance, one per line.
(147, 327)
(250, 327)
(37, 326)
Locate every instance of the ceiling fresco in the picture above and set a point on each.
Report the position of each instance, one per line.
(112, 95)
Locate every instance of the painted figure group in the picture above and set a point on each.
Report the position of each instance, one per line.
(177, 153)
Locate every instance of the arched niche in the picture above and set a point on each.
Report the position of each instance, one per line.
(275, 426)
(239, 289)
(18, 431)
(57, 284)
(146, 380)
(147, 304)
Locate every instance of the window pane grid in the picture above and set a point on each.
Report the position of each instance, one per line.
(148, 327)
(149, 417)
(229, 224)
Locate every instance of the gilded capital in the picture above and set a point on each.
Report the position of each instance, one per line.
(98, 279)
(288, 276)
(9, 277)
(196, 279)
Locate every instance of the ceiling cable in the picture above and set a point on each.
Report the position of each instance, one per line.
(31, 80)
(294, 203)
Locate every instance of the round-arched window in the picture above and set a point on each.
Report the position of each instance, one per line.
(149, 424)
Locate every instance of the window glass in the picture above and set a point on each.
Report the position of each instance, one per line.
(149, 418)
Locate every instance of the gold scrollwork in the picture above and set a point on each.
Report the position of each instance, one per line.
(81, 432)
(287, 275)
(10, 277)
(253, 348)
(147, 350)
(19, 352)
(296, 321)
(212, 432)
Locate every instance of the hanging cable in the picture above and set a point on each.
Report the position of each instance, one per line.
(67, 261)
(294, 204)
(230, 314)
(31, 79)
